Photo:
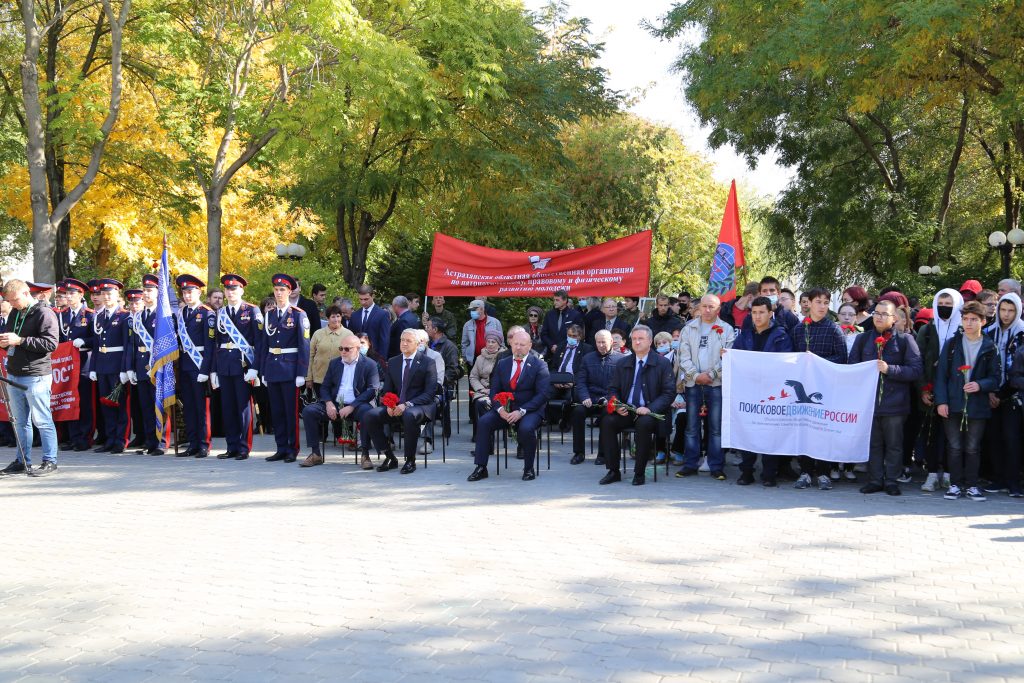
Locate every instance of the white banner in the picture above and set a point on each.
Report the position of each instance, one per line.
(797, 404)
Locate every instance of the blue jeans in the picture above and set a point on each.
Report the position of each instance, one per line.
(35, 404)
(712, 397)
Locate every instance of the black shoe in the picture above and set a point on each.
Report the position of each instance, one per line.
(241, 456)
(81, 448)
(202, 453)
(871, 488)
(479, 473)
(117, 449)
(769, 483)
(187, 454)
(290, 458)
(48, 467)
(599, 460)
(788, 474)
(64, 445)
(719, 475)
(136, 443)
(276, 457)
(639, 479)
(746, 479)
(610, 478)
(16, 467)
(409, 467)
(686, 472)
(528, 475)
(893, 490)
(155, 451)
(390, 463)
(577, 458)
(101, 449)
(226, 455)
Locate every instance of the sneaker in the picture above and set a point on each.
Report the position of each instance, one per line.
(953, 492)
(803, 482)
(686, 472)
(904, 478)
(719, 475)
(849, 475)
(996, 488)
(824, 483)
(703, 467)
(426, 448)
(946, 481)
(861, 468)
(974, 493)
(931, 483)
(660, 458)
(16, 467)
(48, 467)
(1016, 493)
(677, 459)
(834, 475)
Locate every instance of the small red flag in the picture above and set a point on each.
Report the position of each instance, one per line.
(729, 252)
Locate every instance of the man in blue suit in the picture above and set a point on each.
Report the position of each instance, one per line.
(526, 377)
(347, 393)
(406, 320)
(412, 377)
(643, 380)
(373, 320)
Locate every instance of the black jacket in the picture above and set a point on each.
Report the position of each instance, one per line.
(39, 333)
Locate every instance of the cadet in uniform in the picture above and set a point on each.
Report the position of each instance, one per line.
(138, 358)
(236, 364)
(134, 304)
(76, 326)
(197, 328)
(285, 363)
(106, 365)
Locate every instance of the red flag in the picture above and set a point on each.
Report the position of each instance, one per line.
(729, 253)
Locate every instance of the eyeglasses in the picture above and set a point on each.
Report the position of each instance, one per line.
(532, 315)
(349, 348)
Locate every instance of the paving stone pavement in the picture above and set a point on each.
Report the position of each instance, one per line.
(135, 568)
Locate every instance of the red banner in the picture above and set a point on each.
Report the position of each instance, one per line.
(621, 267)
(64, 389)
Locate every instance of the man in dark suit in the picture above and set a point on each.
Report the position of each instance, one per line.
(591, 392)
(371, 319)
(526, 377)
(609, 320)
(643, 380)
(309, 306)
(405, 320)
(413, 378)
(435, 329)
(567, 360)
(347, 393)
(557, 322)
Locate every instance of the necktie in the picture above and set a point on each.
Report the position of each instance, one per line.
(406, 376)
(560, 314)
(515, 375)
(608, 324)
(366, 314)
(567, 360)
(636, 396)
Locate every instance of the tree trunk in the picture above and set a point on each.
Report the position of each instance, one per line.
(55, 164)
(214, 214)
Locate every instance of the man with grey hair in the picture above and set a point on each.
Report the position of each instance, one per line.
(1009, 285)
(644, 382)
(592, 392)
(404, 320)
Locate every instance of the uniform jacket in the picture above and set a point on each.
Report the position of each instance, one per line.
(136, 355)
(200, 324)
(289, 330)
(78, 325)
(110, 331)
(229, 362)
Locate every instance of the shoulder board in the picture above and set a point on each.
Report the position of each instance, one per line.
(86, 309)
(297, 309)
(204, 307)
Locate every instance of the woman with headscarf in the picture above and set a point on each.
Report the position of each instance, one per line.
(946, 304)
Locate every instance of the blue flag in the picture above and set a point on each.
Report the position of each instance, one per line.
(165, 350)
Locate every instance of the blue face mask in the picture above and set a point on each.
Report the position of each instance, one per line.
(569, 341)
(363, 350)
(474, 314)
(675, 344)
(663, 348)
(774, 298)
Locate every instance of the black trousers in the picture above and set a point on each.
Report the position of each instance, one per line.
(1005, 427)
(885, 461)
(315, 414)
(769, 465)
(612, 426)
(410, 421)
(580, 413)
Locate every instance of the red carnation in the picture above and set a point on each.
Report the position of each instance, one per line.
(964, 368)
(807, 321)
(505, 398)
(611, 405)
(880, 341)
(717, 329)
(389, 400)
(929, 387)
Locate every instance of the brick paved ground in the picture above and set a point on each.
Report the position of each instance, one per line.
(135, 568)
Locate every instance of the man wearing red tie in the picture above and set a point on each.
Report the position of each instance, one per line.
(526, 377)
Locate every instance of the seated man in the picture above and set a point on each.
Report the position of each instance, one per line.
(591, 392)
(347, 392)
(412, 377)
(644, 381)
(526, 377)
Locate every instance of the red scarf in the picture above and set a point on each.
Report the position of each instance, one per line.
(481, 341)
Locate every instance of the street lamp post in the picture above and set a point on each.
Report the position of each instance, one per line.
(292, 251)
(1005, 243)
(929, 271)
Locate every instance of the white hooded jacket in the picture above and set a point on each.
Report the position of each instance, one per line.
(1004, 339)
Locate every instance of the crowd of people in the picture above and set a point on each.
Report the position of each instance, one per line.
(949, 393)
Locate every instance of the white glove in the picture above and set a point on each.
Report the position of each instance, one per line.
(250, 375)
(202, 378)
(92, 376)
(123, 377)
(132, 377)
(214, 381)
(300, 381)
(77, 343)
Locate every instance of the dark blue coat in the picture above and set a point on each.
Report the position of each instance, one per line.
(377, 327)
(249, 321)
(582, 351)
(200, 324)
(782, 315)
(593, 375)
(136, 355)
(949, 381)
(778, 339)
(289, 330)
(406, 321)
(554, 335)
(422, 383)
(658, 382)
(109, 332)
(905, 368)
(365, 385)
(531, 392)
